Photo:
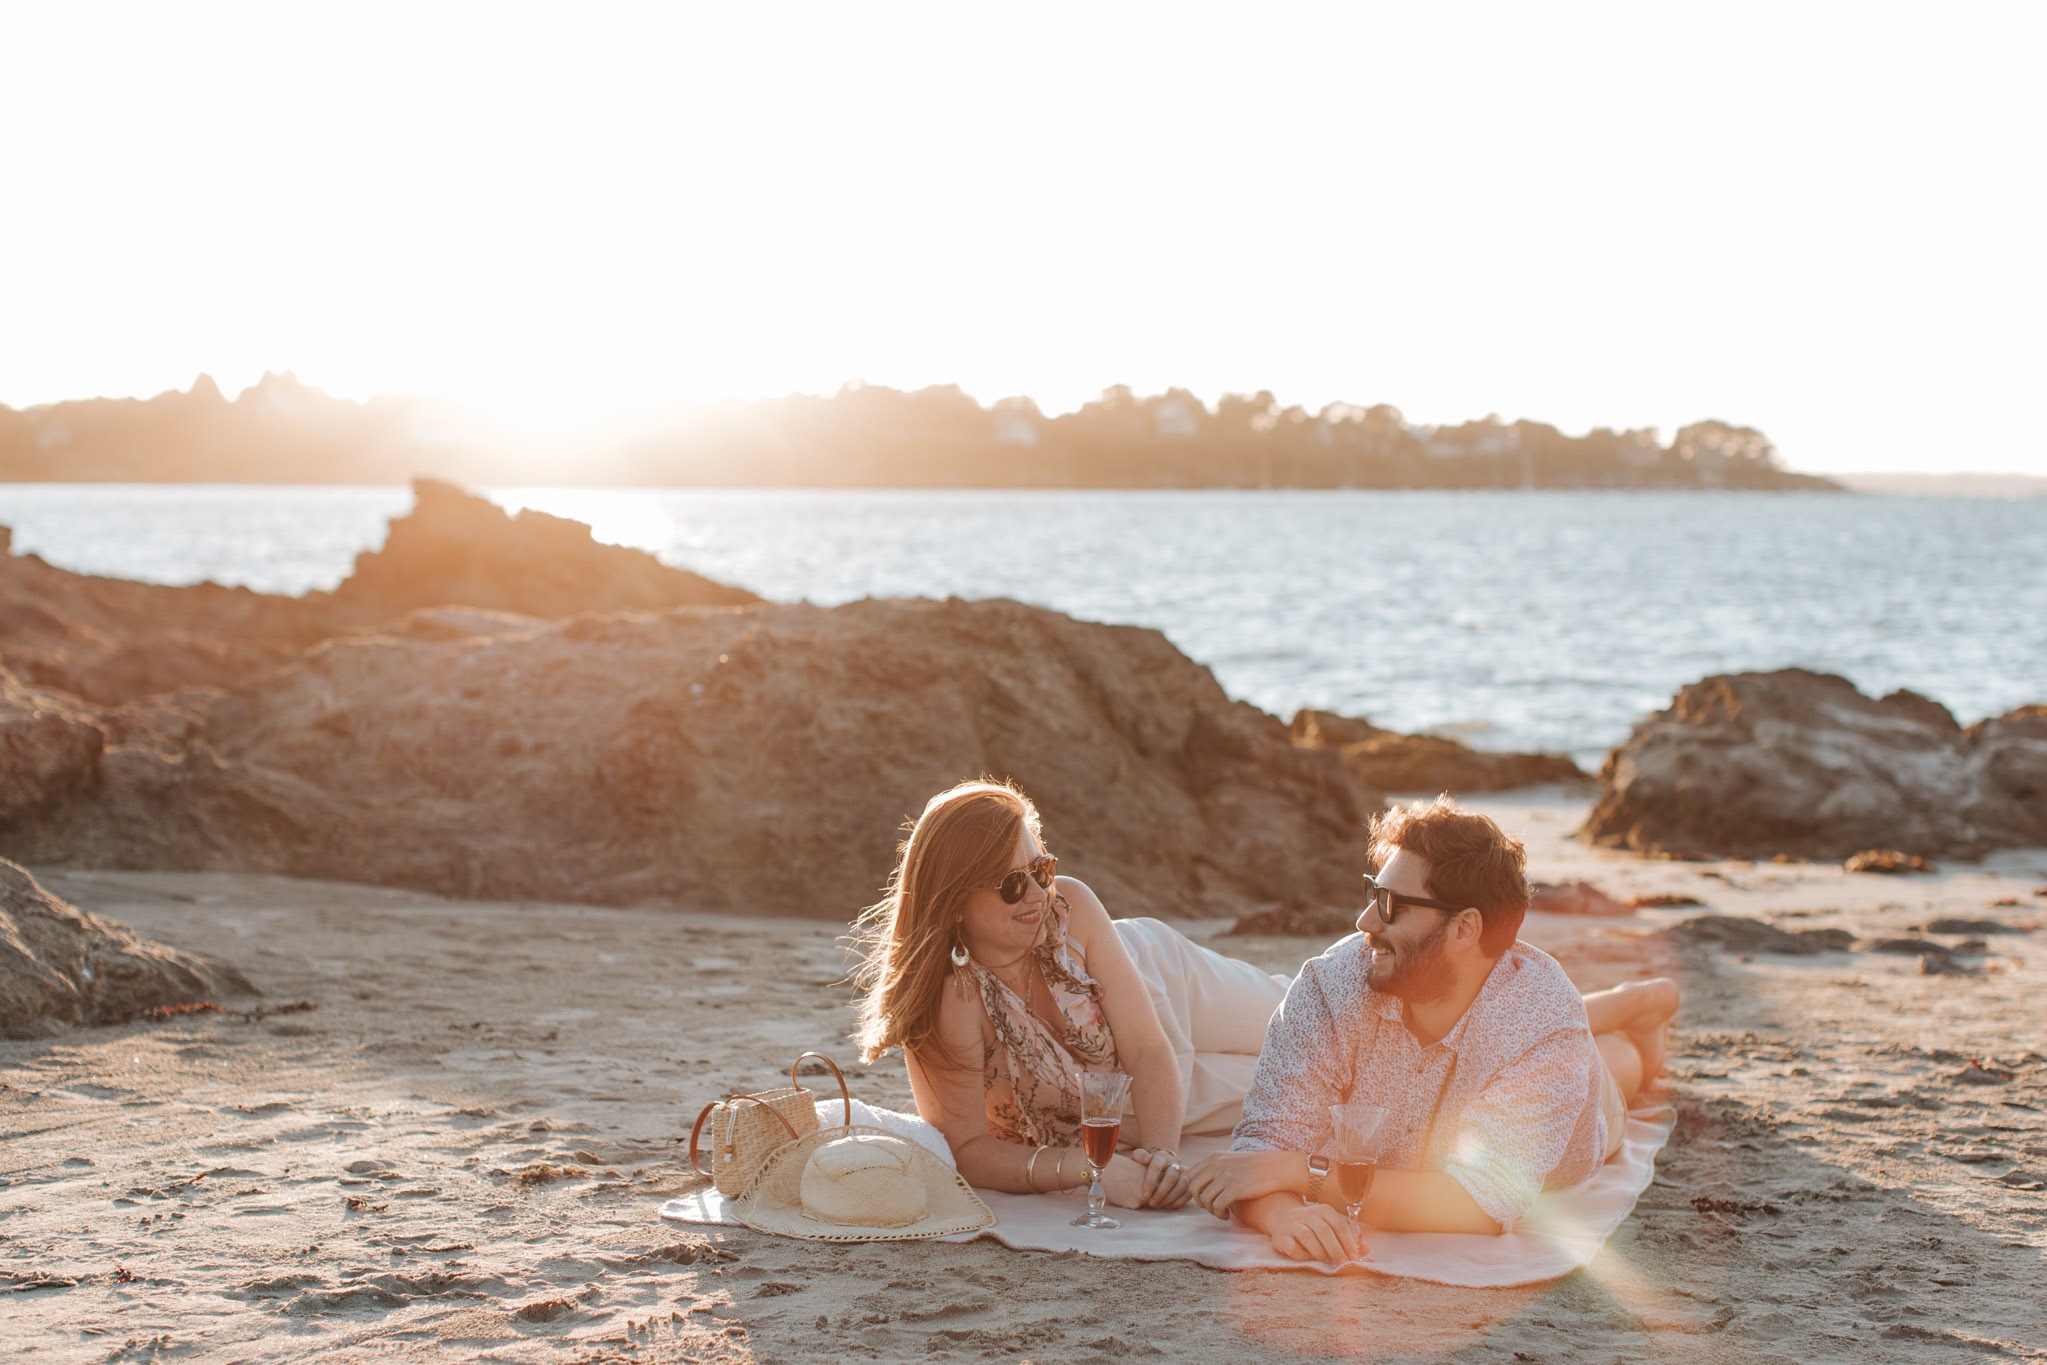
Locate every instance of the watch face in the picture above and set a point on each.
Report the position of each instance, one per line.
(1319, 1164)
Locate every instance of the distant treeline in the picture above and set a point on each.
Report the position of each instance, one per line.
(281, 431)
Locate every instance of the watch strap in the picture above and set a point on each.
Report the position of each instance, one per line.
(1318, 1170)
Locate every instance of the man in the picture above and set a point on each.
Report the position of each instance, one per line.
(1479, 1047)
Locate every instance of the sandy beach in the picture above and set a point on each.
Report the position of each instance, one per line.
(445, 1128)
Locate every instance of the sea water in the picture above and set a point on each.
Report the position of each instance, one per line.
(1538, 620)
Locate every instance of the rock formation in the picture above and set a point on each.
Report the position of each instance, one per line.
(499, 706)
(1753, 765)
(1388, 761)
(456, 549)
(49, 748)
(111, 641)
(756, 760)
(60, 965)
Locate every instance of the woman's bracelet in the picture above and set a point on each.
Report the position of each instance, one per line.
(1031, 1168)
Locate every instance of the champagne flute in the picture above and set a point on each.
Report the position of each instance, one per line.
(1101, 1118)
(1356, 1141)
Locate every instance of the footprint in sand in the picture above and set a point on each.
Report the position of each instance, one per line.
(276, 1286)
(87, 1090)
(267, 1110)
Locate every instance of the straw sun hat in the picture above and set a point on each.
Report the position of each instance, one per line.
(858, 1184)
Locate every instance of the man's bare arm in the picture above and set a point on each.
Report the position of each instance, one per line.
(1252, 1184)
(1421, 1201)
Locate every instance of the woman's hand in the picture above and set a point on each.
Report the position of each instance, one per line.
(1166, 1185)
(1145, 1180)
(1123, 1181)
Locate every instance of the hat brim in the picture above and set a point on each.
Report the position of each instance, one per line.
(772, 1201)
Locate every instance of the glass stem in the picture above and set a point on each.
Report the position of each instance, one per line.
(1095, 1199)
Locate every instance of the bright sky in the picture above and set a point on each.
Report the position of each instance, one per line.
(1821, 219)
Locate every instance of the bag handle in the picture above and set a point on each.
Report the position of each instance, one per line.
(695, 1131)
(738, 1100)
(845, 1095)
(697, 1128)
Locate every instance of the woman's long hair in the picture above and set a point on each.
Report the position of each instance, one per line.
(965, 839)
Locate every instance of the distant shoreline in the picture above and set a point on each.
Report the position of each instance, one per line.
(280, 430)
(1964, 485)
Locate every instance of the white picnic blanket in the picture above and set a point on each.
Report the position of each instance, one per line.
(1562, 1233)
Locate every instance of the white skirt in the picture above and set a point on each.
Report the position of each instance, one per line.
(1214, 1010)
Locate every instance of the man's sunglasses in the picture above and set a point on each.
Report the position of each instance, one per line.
(1039, 870)
(1389, 903)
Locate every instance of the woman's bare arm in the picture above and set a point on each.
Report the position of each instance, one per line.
(1141, 1046)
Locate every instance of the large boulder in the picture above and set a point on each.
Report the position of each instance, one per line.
(759, 759)
(1388, 761)
(1798, 763)
(60, 965)
(456, 549)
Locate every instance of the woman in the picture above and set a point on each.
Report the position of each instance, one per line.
(998, 979)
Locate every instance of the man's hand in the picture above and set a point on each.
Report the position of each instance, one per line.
(1312, 1232)
(1221, 1180)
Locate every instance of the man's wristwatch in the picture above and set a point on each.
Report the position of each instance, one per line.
(1318, 1170)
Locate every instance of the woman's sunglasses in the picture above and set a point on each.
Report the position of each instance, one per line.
(1039, 870)
(1389, 903)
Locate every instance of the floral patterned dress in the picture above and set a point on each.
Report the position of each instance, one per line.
(1032, 1097)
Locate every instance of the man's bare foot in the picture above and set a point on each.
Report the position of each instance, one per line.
(1639, 1011)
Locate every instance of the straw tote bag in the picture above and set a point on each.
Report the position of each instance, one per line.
(745, 1128)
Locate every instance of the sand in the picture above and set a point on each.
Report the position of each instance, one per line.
(444, 1131)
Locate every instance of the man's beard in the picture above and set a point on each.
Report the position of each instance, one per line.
(1418, 973)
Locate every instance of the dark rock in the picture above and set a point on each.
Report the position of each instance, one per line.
(1797, 763)
(1733, 934)
(1386, 761)
(1663, 900)
(60, 965)
(758, 760)
(1574, 898)
(1887, 861)
(456, 549)
(1953, 925)
(1921, 947)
